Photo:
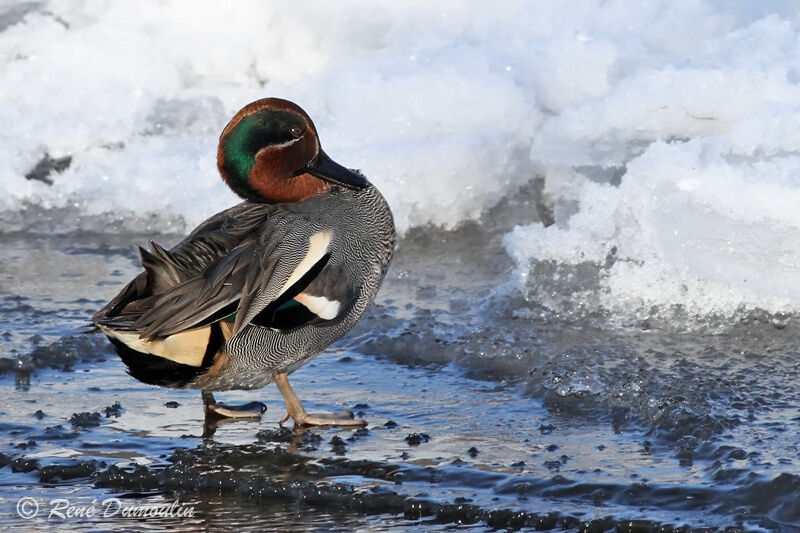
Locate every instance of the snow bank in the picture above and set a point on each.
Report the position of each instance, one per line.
(424, 99)
(681, 180)
(666, 131)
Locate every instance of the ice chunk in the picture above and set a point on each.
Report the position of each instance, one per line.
(709, 225)
(663, 131)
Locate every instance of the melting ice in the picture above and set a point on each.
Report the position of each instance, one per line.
(665, 132)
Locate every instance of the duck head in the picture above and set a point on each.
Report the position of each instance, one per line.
(270, 152)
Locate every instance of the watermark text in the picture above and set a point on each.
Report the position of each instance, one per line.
(62, 509)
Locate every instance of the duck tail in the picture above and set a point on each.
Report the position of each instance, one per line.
(89, 328)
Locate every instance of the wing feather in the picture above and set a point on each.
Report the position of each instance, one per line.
(241, 260)
(247, 279)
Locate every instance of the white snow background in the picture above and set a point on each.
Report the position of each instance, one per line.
(667, 132)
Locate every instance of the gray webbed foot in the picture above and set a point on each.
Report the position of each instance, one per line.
(220, 410)
(296, 412)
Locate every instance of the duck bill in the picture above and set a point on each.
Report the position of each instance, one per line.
(327, 169)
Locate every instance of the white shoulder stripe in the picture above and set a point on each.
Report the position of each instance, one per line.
(318, 245)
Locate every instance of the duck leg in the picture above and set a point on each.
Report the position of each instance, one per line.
(296, 412)
(219, 410)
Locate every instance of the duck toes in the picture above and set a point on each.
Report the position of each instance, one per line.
(258, 290)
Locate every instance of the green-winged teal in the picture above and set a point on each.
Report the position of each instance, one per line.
(258, 290)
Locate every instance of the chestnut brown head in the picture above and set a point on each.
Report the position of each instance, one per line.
(270, 152)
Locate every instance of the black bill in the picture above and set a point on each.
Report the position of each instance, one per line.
(327, 169)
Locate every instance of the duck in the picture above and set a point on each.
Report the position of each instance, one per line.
(258, 290)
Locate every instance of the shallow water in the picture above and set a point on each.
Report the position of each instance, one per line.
(485, 409)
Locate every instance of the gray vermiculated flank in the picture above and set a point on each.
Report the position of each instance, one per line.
(361, 249)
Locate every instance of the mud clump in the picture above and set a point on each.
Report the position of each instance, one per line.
(310, 441)
(338, 445)
(53, 473)
(415, 439)
(360, 432)
(552, 465)
(113, 410)
(86, 420)
(282, 434)
(64, 353)
(22, 464)
(56, 433)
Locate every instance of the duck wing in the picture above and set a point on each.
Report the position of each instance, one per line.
(268, 268)
(211, 240)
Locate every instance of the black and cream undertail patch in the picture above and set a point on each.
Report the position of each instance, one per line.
(174, 361)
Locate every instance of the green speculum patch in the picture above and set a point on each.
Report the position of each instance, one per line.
(243, 142)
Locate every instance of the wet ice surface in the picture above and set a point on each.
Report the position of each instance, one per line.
(484, 409)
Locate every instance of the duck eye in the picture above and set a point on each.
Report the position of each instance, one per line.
(297, 132)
